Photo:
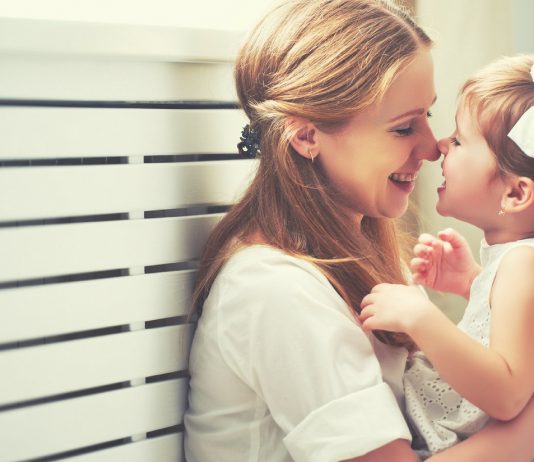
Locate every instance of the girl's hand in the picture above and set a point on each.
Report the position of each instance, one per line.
(396, 308)
(444, 263)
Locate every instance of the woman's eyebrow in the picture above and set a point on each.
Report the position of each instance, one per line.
(417, 111)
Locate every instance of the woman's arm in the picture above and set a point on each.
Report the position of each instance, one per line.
(497, 442)
(396, 451)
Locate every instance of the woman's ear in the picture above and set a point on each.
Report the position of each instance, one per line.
(519, 195)
(303, 137)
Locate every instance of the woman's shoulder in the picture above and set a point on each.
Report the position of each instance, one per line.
(264, 276)
(257, 262)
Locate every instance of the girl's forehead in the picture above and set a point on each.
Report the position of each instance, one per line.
(467, 117)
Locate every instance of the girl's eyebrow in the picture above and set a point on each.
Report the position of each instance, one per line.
(417, 111)
(458, 127)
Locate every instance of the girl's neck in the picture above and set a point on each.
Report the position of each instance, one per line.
(503, 236)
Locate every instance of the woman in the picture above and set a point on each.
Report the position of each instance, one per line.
(338, 95)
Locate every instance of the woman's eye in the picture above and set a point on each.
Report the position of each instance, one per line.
(454, 141)
(404, 131)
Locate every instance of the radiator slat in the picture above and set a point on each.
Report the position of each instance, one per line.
(96, 132)
(55, 309)
(43, 251)
(76, 423)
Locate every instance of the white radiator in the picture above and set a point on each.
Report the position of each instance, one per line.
(117, 158)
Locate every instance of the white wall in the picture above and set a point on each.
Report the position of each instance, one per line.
(523, 30)
(216, 14)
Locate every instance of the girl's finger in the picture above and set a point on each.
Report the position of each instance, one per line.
(367, 300)
(453, 237)
(420, 278)
(422, 250)
(418, 265)
(426, 238)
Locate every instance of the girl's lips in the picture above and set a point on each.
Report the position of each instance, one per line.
(442, 186)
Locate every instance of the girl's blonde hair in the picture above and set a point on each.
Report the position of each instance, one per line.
(497, 96)
(322, 60)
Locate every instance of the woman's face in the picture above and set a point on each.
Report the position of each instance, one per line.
(374, 160)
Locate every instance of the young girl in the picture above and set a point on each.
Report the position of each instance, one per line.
(484, 367)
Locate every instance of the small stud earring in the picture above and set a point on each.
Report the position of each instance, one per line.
(312, 157)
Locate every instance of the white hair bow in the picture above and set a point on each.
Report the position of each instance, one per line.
(522, 133)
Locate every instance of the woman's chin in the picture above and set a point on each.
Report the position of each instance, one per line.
(396, 212)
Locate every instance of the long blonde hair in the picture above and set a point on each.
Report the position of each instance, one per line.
(322, 60)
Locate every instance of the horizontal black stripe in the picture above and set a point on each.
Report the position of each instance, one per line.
(120, 104)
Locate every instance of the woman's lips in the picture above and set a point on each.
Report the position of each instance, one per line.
(403, 181)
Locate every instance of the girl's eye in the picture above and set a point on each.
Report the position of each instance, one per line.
(454, 141)
(404, 131)
(428, 114)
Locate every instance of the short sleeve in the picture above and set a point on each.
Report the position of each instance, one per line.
(348, 427)
(292, 339)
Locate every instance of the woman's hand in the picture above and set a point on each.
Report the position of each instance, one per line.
(444, 263)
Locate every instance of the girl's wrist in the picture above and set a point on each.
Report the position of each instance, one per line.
(475, 271)
(423, 316)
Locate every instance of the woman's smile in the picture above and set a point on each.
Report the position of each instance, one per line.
(403, 181)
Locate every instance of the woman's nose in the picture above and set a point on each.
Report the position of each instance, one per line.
(428, 149)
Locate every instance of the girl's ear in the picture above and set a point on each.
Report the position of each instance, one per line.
(519, 195)
(303, 137)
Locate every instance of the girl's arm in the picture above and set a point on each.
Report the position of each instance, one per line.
(499, 379)
(512, 318)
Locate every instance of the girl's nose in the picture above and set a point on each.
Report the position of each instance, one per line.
(443, 146)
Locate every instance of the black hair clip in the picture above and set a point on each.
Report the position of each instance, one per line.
(249, 146)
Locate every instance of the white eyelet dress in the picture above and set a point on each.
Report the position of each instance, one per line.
(440, 417)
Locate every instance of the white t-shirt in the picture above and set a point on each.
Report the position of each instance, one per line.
(281, 371)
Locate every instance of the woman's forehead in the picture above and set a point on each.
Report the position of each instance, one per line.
(412, 91)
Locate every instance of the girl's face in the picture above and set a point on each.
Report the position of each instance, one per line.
(374, 160)
(472, 189)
